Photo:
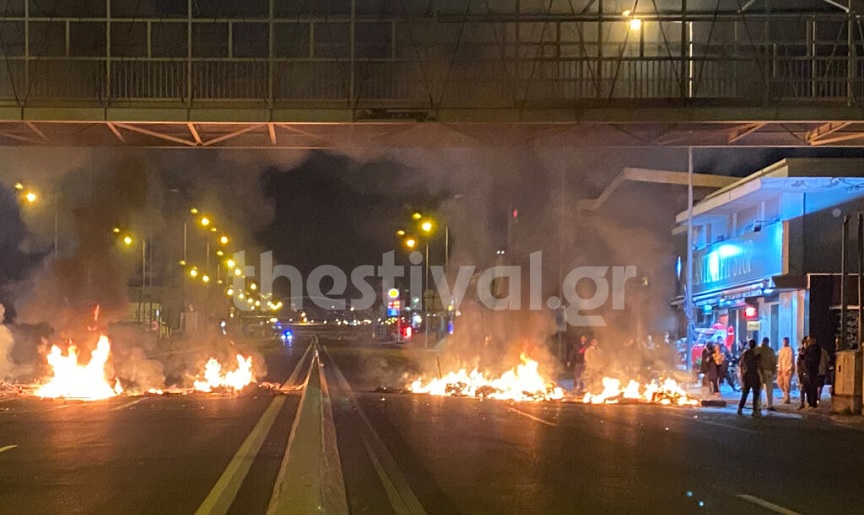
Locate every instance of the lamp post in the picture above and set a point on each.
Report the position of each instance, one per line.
(30, 196)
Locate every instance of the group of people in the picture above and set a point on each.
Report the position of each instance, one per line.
(758, 365)
(589, 361)
(715, 367)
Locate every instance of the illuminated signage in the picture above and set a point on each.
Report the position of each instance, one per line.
(747, 258)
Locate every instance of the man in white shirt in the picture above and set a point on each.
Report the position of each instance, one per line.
(785, 369)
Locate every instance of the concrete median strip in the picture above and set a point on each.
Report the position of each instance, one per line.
(289, 384)
(310, 477)
(402, 498)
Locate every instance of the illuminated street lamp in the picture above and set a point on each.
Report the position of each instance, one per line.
(635, 24)
(416, 215)
(410, 243)
(400, 232)
(230, 264)
(204, 221)
(205, 278)
(193, 273)
(128, 241)
(426, 226)
(223, 240)
(31, 197)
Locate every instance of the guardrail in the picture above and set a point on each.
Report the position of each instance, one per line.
(404, 82)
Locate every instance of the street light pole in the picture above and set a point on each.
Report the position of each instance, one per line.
(688, 298)
(446, 248)
(426, 298)
(56, 230)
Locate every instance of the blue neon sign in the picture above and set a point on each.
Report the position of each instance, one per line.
(747, 258)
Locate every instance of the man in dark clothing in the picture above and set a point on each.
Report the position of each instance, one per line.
(812, 356)
(577, 361)
(749, 364)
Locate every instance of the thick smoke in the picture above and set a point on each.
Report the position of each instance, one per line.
(147, 194)
(523, 199)
(6, 343)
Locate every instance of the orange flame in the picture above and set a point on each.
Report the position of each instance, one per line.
(79, 381)
(236, 380)
(667, 392)
(523, 383)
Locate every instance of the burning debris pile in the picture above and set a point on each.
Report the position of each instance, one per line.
(523, 383)
(666, 392)
(215, 379)
(74, 379)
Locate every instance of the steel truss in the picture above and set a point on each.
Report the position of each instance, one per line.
(294, 74)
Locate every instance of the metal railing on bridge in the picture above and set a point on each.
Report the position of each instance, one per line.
(109, 56)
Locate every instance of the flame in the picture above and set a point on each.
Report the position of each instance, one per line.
(666, 392)
(74, 380)
(523, 383)
(233, 379)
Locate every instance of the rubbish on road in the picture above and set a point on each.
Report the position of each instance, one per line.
(522, 383)
(666, 392)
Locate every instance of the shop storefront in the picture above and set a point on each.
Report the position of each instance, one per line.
(763, 248)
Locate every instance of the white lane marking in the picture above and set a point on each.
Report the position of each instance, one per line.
(532, 417)
(712, 423)
(225, 490)
(7, 448)
(289, 384)
(767, 505)
(402, 498)
(7, 400)
(124, 406)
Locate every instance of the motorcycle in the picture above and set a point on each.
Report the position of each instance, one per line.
(731, 376)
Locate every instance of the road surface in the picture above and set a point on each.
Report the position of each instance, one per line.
(351, 449)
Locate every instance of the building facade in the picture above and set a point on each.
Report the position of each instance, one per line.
(767, 253)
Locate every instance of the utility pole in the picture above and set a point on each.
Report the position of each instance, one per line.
(688, 294)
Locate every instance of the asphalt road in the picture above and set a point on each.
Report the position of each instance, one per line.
(468, 456)
(398, 453)
(152, 454)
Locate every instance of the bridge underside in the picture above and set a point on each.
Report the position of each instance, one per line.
(341, 128)
(273, 73)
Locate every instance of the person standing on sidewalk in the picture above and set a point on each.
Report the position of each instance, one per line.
(801, 367)
(812, 357)
(822, 372)
(749, 365)
(767, 365)
(785, 369)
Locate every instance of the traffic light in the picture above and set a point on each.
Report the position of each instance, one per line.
(750, 312)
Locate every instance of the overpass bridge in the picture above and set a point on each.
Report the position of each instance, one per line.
(326, 73)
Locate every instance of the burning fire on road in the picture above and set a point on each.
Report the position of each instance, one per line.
(666, 392)
(214, 378)
(74, 379)
(522, 383)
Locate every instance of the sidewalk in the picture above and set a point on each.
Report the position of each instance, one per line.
(733, 397)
